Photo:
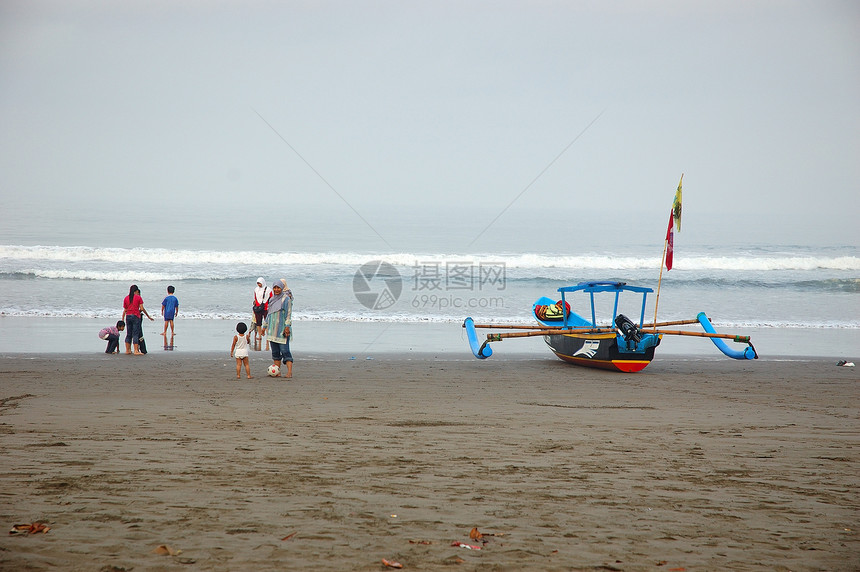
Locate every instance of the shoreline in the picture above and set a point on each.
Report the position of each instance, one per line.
(417, 355)
(693, 463)
(361, 339)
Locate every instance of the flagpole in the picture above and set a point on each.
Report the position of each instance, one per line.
(674, 219)
(660, 280)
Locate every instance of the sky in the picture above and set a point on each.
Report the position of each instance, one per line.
(486, 112)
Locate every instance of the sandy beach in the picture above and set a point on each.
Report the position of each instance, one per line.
(692, 464)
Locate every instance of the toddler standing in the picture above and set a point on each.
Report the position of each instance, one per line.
(239, 349)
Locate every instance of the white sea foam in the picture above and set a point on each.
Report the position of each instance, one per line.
(109, 275)
(406, 318)
(781, 287)
(134, 257)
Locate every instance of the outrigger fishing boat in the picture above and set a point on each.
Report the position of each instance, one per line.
(619, 344)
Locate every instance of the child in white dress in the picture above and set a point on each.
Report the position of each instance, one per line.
(239, 349)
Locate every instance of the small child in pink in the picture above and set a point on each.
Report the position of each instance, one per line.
(239, 349)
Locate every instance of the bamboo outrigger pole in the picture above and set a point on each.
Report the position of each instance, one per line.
(539, 327)
(733, 337)
(514, 327)
(673, 323)
(500, 337)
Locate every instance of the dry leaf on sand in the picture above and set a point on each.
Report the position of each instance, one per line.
(476, 534)
(166, 550)
(32, 528)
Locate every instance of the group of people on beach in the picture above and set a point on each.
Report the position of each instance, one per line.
(272, 310)
(273, 319)
(132, 322)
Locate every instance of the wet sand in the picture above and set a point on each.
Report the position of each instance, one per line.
(693, 464)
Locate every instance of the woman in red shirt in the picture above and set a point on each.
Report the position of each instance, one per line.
(132, 307)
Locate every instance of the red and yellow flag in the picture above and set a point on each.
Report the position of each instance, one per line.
(676, 205)
(670, 241)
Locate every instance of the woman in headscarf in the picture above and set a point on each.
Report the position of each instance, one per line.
(279, 324)
(132, 306)
(261, 298)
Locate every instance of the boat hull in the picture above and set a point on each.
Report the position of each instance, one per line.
(602, 351)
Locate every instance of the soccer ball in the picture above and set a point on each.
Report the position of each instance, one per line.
(274, 371)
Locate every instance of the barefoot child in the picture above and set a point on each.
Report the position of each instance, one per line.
(111, 336)
(169, 309)
(239, 349)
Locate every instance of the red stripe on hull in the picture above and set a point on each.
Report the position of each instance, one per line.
(626, 366)
(631, 366)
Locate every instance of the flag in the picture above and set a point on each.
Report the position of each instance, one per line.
(676, 205)
(670, 240)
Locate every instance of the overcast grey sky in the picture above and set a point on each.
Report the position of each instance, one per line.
(429, 103)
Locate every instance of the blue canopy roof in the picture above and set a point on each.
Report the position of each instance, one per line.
(604, 287)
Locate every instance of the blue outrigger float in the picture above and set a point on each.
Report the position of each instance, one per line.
(619, 344)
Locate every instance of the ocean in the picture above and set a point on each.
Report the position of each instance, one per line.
(355, 293)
